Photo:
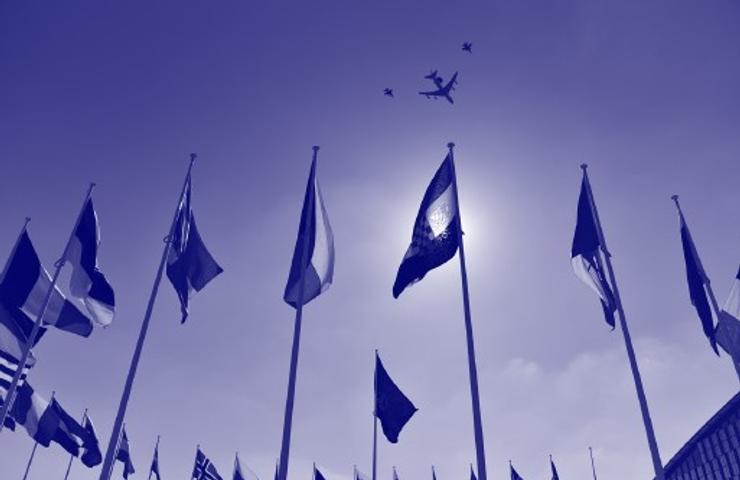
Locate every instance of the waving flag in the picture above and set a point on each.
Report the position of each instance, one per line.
(204, 468)
(728, 326)
(436, 230)
(395, 474)
(124, 455)
(514, 474)
(696, 279)
(15, 327)
(392, 407)
(554, 470)
(472, 474)
(317, 475)
(313, 255)
(92, 455)
(190, 266)
(87, 282)
(25, 285)
(585, 255)
(154, 469)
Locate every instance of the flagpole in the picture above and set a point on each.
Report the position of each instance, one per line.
(652, 442)
(705, 277)
(39, 318)
(288, 420)
(72, 457)
(473, 370)
(156, 451)
(108, 463)
(375, 419)
(593, 465)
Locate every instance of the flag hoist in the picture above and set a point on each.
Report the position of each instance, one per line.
(589, 245)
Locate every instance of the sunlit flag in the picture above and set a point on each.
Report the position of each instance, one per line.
(124, 455)
(392, 407)
(313, 255)
(585, 255)
(435, 236)
(204, 469)
(25, 285)
(87, 282)
(189, 266)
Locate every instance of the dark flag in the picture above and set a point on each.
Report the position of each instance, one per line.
(696, 279)
(154, 469)
(392, 407)
(728, 325)
(472, 474)
(514, 474)
(554, 470)
(25, 284)
(395, 474)
(316, 237)
(91, 455)
(87, 282)
(436, 230)
(189, 266)
(585, 254)
(238, 475)
(124, 455)
(434, 474)
(316, 474)
(204, 468)
(15, 327)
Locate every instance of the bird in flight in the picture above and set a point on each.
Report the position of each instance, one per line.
(388, 92)
(443, 90)
(467, 47)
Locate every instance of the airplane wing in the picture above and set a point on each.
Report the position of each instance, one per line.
(450, 85)
(435, 93)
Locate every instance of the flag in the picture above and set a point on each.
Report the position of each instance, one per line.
(392, 407)
(91, 455)
(124, 455)
(155, 463)
(514, 474)
(204, 468)
(554, 470)
(696, 279)
(87, 282)
(25, 285)
(434, 474)
(15, 327)
(732, 305)
(359, 475)
(585, 255)
(728, 326)
(317, 475)
(189, 266)
(395, 474)
(313, 255)
(244, 473)
(472, 474)
(436, 230)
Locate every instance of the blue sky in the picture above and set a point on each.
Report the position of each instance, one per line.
(121, 93)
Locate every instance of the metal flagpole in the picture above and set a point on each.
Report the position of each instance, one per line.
(107, 464)
(288, 420)
(473, 370)
(35, 443)
(652, 442)
(72, 457)
(593, 466)
(375, 419)
(39, 318)
(705, 277)
(156, 452)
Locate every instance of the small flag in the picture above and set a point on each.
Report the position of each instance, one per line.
(243, 473)
(25, 285)
(14, 330)
(728, 326)
(472, 474)
(154, 469)
(585, 255)
(514, 474)
(87, 282)
(696, 279)
(436, 230)
(434, 474)
(189, 266)
(392, 407)
(91, 455)
(554, 470)
(360, 476)
(124, 455)
(317, 475)
(314, 245)
(732, 305)
(395, 474)
(204, 468)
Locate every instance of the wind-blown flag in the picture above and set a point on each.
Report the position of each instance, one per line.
(585, 254)
(359, 475)
(244, 473)
(696, 279)
(313, 255)
(554, 470)
(514, 474)
(15, 327)
(395, 474)
(204, 468)
(155, 463)
(92, 455)
(472, 474)
(189, 266)
(392, 407)
(436, 230)
(728, 326)
(124, 455)
(317, 475)
(434, 474)
(87, 282)
(25, 285)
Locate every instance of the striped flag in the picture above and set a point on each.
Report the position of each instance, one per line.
(87, 282)
(436, 230)
(15, 327)
(204, 468)
(313, 255)
(124, 455)
(25, 285)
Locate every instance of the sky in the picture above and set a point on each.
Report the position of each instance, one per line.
(120, 93)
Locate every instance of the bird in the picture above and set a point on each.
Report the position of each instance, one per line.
(388, 92)
(467, 47)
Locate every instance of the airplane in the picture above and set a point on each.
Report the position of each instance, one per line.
(467, 47)
(442, 90)
(388, 92)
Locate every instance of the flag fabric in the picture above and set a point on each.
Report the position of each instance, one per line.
(436, 230)
(732, 305)
(204, 468)
(585, 255)
(514, 474)
(124, 455)
(189, 265)
(25, 285)
(554, 470)
(317, 475)
(728, 326)
(15, 327)
(360, 476)
(155, 463)
(243, 473)
(392, 407)
(472, 474)
(395, 474)
(434, 474)
(696, 279)
(313, 255)
(91, 455)
(87, 282)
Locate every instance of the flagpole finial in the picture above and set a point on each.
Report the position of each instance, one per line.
(584, 166)
(193, 156)
(315, 148)
(451, 145)
(25, 224)
(675, 200)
